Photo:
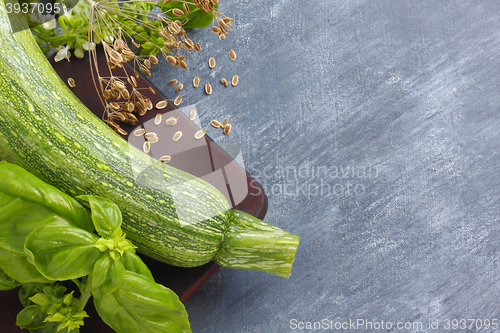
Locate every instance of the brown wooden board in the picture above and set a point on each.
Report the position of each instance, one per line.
(203, 158)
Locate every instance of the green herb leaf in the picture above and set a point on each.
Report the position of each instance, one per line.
(62, 252)
(18, 268)
(133, 263)
(6, 282)
(107, 276)
(106, 216)
(140, 305)
(19, 183)
(31, 317)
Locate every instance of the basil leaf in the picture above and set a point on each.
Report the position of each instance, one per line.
(140, 305)
(18, 268)
(62, 252)
(106, 216)
(107, 276)
(31, 317)
(6, 282)
(19, 183)
(133, 263)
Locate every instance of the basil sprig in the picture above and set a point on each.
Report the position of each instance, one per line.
(48, 237)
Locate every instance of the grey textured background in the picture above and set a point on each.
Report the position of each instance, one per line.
(405, 89)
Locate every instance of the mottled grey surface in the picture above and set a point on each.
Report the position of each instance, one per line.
(396, 104)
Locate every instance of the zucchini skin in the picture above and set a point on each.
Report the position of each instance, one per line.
(168, 214)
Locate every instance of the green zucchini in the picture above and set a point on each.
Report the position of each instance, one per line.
(168, 214)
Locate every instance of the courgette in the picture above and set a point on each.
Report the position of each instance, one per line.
(168, 214)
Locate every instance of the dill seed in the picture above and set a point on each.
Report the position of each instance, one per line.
(165, 158)
(227, 129)
(171, 121)
(161, 104)
(115, 105)
(172, 82)
(178, 100)
(71, 82)
(235, 80)
(225, 122)
(211, 62)
(179, 87)
(192, 114)
(177, 135)
(208, 88)
(224, 82)
(177, 12)
(158, 119)
(172, 60)
(146, 147)
(196, 82)
(152, 90)
(232, 55)
(153, 59)
(186, 8)
(132, 81)
(139, 132)
(215, 123)
(183, 64)
(199, 134)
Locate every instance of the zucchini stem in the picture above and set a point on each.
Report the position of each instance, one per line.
(250, 243)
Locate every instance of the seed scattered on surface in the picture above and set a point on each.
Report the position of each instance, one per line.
(232, 55)
(211, 62)
(199, 134)
(192, 114)
(179, 87)
(154, 139)
(215, 30)
(183, 64)
(158, 119)
(139, 132)
(71, 82)
(172, 82)
(235, 80)
(196, 82)
(215, 123)
(146, 147)
(227, 129)
(150, 135)
(171, 121)
(197, 47)
(177, 135)
(225, 122)
(165, 158)
(178, 100)
(224, 82)
(208, 88)
(161, 104)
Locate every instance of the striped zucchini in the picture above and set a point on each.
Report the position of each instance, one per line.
(168, 214)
